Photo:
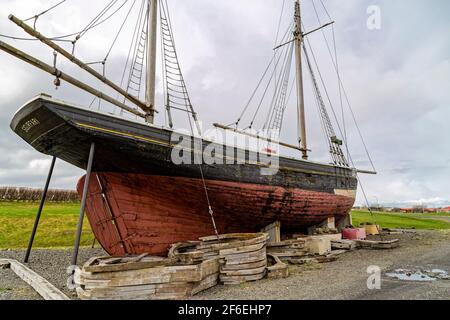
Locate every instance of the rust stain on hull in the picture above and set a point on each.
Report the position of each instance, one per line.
(137, 213)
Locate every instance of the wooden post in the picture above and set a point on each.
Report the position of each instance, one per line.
(38, 215)
(83, 205)
(151, 59)
(274, 231)
(300, 91)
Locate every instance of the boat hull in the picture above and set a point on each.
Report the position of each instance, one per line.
(136, 213)
(136, 178)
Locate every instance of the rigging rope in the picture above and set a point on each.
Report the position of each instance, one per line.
(273, 59)
(344, 91)
(171, 62)
(120, 30)
(36, 17)
(45, 11)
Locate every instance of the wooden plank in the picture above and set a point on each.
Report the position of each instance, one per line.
(247, 272)
(369, 244)
(244, 266)
(208, 282)
(299, 243)
(231, 280)
(343, 244)
(240, 250)
(232, 244)
(278, 269)
(248, 258)
(5, 264)
(45, 289)
(274, 231)
(146, 263)
(323, 259)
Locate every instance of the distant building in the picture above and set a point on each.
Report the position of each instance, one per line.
(446, 210)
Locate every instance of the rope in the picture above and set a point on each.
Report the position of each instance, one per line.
(344, 91)
(36, 17)
(120, 30)
(165, 16)
(98, 17)
(260, 83)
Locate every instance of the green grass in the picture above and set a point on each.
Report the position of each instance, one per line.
(403, 220)
(59, 221)
(56, 229)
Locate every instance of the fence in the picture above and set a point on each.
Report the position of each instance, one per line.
(30, 194)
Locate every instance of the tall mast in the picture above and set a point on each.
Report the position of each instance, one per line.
(152, 26)
(300, 94)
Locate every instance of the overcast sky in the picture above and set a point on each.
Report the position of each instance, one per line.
(397, 78)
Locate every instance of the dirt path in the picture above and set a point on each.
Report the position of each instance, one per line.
(347, 277)
(342, 279)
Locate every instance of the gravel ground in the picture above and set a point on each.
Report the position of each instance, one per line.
(345, 278)
(50, 264)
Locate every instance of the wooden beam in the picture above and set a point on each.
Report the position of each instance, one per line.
(41, 285)
(220, 126)
(78, 62)
(57, 73)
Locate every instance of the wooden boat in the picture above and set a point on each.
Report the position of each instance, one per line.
(139, 200)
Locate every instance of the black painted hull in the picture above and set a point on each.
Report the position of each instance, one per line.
(65, 131)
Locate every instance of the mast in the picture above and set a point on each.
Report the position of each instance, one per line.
(152, 25)
(300, 92)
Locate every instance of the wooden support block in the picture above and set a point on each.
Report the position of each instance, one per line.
(368, 244)
(322, 259)
(344, 222)
(328, 224)
(318, 245)
(277, 269)
(5, 264)
(45, 289)
(343, 244)
(274, 231)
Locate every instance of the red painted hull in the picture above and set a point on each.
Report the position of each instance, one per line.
(136, 213)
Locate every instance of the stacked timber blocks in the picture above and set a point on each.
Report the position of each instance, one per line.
(144, 278)
(243, 257)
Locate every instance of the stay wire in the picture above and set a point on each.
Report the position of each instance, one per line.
(208, 200)
(344, 91)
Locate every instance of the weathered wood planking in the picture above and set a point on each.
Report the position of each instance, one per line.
(343, 244)
(150, 283)
(277, 269)
(45, 289)
(96, 265)
(369, 244)
(274, 231)
(242, 260)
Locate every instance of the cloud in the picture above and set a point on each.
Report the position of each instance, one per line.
(397, 79)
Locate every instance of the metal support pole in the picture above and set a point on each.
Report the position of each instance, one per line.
(38, 215)
(76, 246)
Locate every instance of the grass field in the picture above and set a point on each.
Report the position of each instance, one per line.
(433, 221)
(58, 224)
(56, 229)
